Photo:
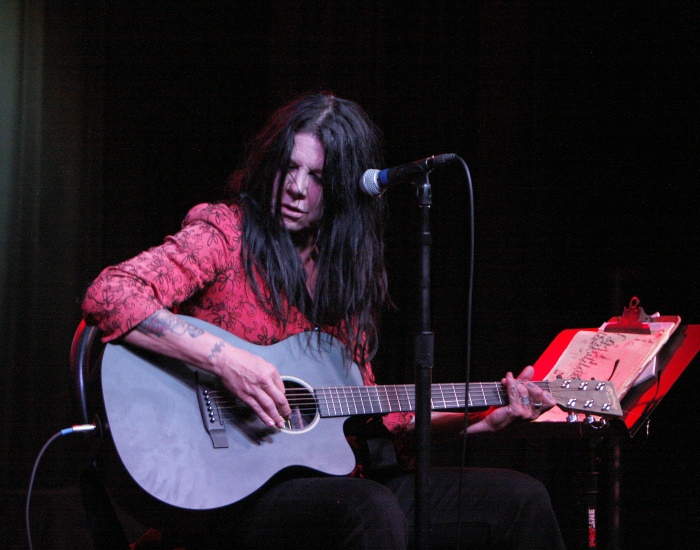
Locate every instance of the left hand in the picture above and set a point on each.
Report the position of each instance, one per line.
(526, 401)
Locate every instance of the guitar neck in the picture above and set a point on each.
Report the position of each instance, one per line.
(357, 400)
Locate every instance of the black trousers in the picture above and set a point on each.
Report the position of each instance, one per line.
(499, 509)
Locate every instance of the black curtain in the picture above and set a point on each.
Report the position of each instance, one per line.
(579, 121)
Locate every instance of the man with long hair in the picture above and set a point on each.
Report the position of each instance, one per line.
(297, 246)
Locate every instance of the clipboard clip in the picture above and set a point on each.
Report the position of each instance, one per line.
(633, 320)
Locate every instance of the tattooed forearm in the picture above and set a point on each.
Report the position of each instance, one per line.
(163, 322)
(216, 349)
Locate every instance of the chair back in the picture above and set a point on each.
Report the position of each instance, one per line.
(82, 353)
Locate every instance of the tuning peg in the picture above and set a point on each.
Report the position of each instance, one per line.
(595, 423)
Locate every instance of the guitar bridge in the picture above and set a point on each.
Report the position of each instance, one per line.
(211, 415)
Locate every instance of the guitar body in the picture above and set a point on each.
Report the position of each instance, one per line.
(188, 458)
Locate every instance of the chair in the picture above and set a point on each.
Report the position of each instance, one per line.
(82, 356)
(105, 527)
(103, 520)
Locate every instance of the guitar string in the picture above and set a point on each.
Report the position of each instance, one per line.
(407, 391)
(352, 399)
(342, 394)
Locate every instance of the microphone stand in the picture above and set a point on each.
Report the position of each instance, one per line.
(423, 363)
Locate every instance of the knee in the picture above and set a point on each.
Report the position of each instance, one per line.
(533, 518)
(532, 490)
(521, 491)
(376, 502)
(374, 514)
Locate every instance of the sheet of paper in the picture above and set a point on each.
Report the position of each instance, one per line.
(618, 357)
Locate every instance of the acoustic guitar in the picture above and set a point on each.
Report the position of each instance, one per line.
(188, 443)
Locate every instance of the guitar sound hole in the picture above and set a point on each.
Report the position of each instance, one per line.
(303, 404)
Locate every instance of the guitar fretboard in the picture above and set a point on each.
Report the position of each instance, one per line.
(353, 400)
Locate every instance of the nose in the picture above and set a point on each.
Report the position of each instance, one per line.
(297, 183)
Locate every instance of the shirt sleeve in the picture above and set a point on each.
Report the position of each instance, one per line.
(164, 276)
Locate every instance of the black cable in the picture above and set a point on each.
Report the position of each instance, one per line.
(467, 369)
(66, 431)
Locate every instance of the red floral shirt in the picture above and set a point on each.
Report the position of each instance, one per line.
(199, 272)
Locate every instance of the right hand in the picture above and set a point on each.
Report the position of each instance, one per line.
(256, 382)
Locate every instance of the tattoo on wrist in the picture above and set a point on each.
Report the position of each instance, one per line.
(216, 349)
(161, 323)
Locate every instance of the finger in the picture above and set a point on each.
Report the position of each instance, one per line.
(277, 392)
(518, 396)
(511, 386)
(266, 408)
(509, 380)
(269, 392)
(539, 395)
(537, 404)
(526, 374)
(540, 400)
(260, 410)
(549, 400)
(535, 392)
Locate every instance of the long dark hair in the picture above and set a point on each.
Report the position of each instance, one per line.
(351, 284)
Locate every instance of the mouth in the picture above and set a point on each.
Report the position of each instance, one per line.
(292, 212)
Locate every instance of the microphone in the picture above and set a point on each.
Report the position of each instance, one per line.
(375, 182)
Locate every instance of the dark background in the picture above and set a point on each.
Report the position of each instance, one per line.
(578, 121)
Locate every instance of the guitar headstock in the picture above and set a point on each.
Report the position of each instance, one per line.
(586, 396)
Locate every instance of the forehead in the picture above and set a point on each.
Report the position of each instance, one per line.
(308, 151)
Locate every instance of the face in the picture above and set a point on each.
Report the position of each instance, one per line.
(302, 196)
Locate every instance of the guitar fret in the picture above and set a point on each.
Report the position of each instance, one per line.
(403, 396)
(321, 399)
(362, 402)
(500, 395)
(356, 401)
(359, 401)
(351, 404)
(409, 397)
(394, 402)
(330, 404)
(342, 400)
(375, 403)
(456, 395)
(472, 395)
(380, 393)
(337, 401)
(387, 399)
